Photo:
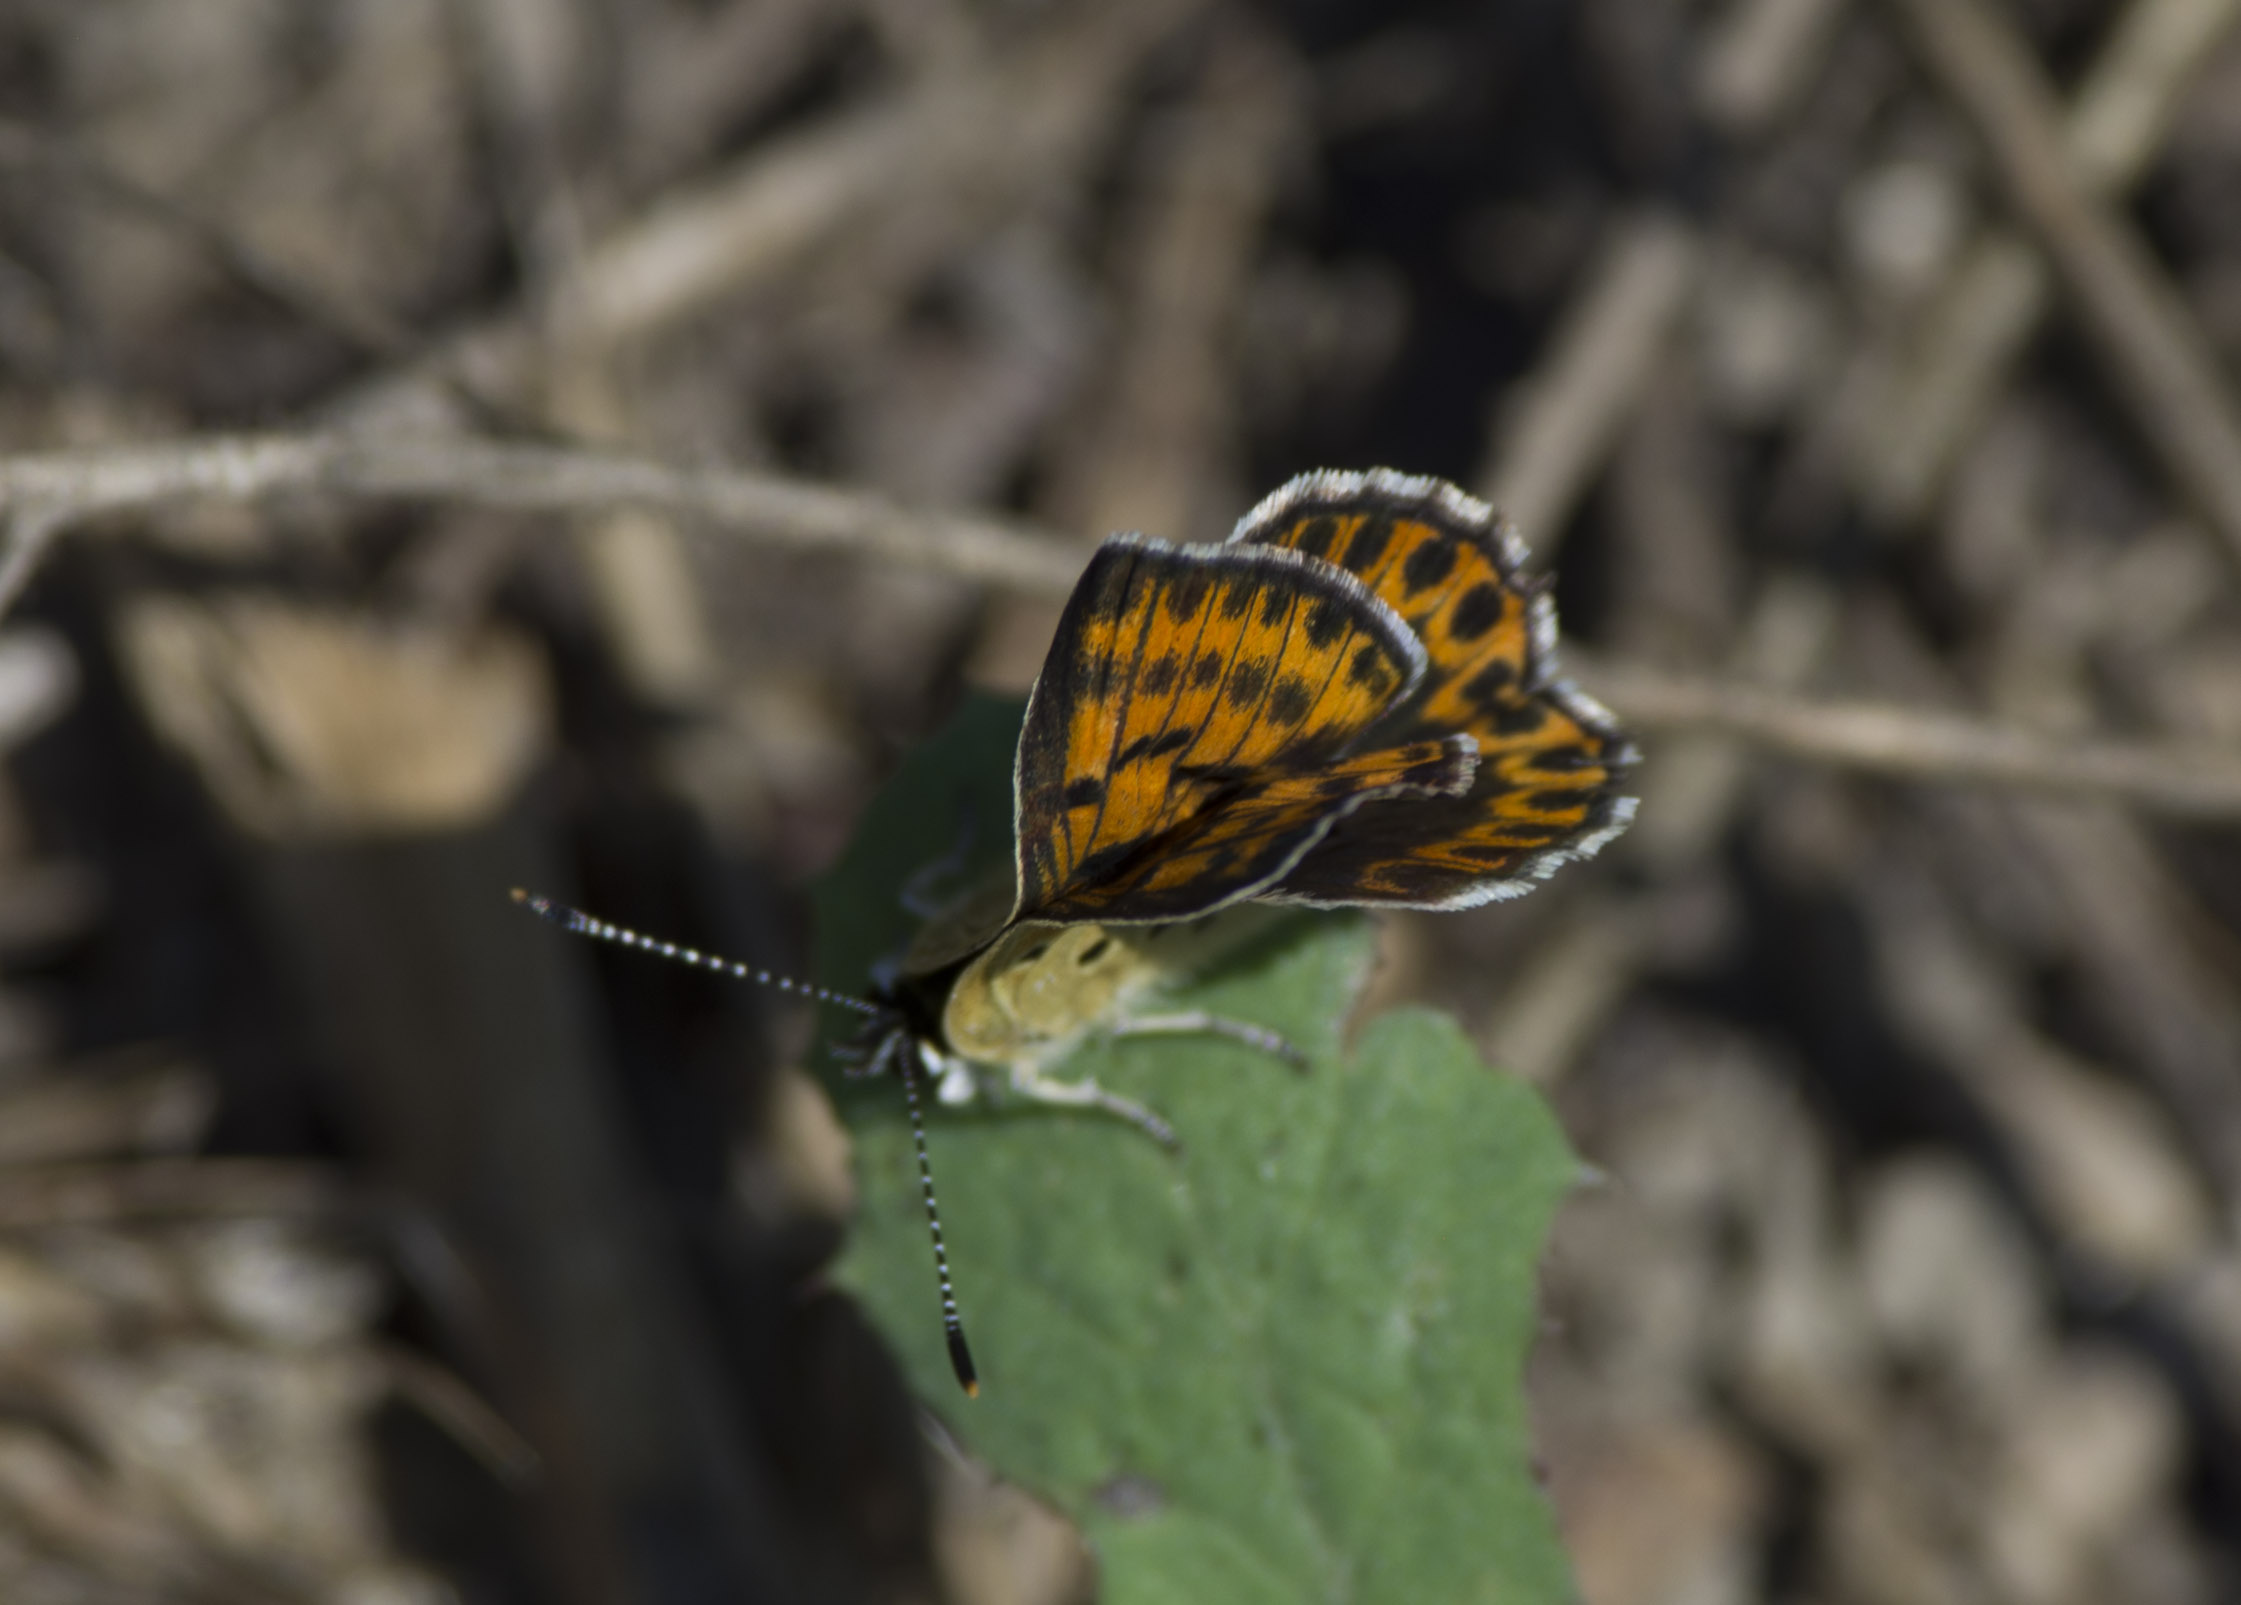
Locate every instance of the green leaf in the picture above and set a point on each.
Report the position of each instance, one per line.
(944, 816)
(1282, 1365)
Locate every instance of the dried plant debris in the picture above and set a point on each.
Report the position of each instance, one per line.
(188, 1400)
(663, 411)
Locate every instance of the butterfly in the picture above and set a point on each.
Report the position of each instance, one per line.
(1352, 702)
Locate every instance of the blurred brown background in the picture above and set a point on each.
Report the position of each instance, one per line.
(1860, 369)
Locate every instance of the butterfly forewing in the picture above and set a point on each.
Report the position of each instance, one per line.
(1181, 682)
(1550, 760)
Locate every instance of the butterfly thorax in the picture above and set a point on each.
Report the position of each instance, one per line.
(1034, 990)
(1031, 993)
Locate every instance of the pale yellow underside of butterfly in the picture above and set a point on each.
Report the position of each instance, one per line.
(1030, 994)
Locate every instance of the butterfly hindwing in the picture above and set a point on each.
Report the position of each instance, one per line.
(1550, 759)
(1249, 834)
(1528, 812)
(1181, 682)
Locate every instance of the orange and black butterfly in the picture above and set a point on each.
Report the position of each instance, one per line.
(1352, 702)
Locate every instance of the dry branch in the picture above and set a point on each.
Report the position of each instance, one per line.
(1918, 744)
(71, 487)
(30, 149)
(1973, 330)
(771, 508)
(2156, 355)
(1555, 429)
(979, 133)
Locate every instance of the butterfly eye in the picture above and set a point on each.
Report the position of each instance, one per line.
(1095, 951)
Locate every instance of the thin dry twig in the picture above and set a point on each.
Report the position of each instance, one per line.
(2157, 356)
(30, 529)
(1760, 56)
(70, 487)
(770, 508)
(1973, 330)
(1154, 447)
(1919, 744)
(978, 133)
(1165, 419)
(1559, 424)
(351, 317)
(473, 1423)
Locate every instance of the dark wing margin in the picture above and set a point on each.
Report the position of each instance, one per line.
(1176, 674)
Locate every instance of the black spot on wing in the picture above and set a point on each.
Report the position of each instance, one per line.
(1370, 668)
(1186, 595)
(1490, 682)
(1429, 564)
(1326, 622)
(1212, 774)
(1290, 701)
(1237, 596)
(1275, 602)
(1516, 719)
(1477, 610)
(1101, 864)
(1085, 792)
(1247, 680)
(1315, 536)
(1369, 543)
(1206, 670)
(1157, 746)
(1160, 675)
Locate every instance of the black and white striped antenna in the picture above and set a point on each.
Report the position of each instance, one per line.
(576, 920)
(897, 1047)
(912, 1069)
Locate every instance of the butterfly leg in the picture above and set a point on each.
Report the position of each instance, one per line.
(1195, 1022)
(1087, 1094)
(957, 1084)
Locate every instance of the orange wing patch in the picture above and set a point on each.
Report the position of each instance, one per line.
(1551, 759)
(1178, 676)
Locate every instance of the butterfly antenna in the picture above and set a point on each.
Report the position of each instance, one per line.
(960, 1356)
(576, 920)
(911, 1070)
